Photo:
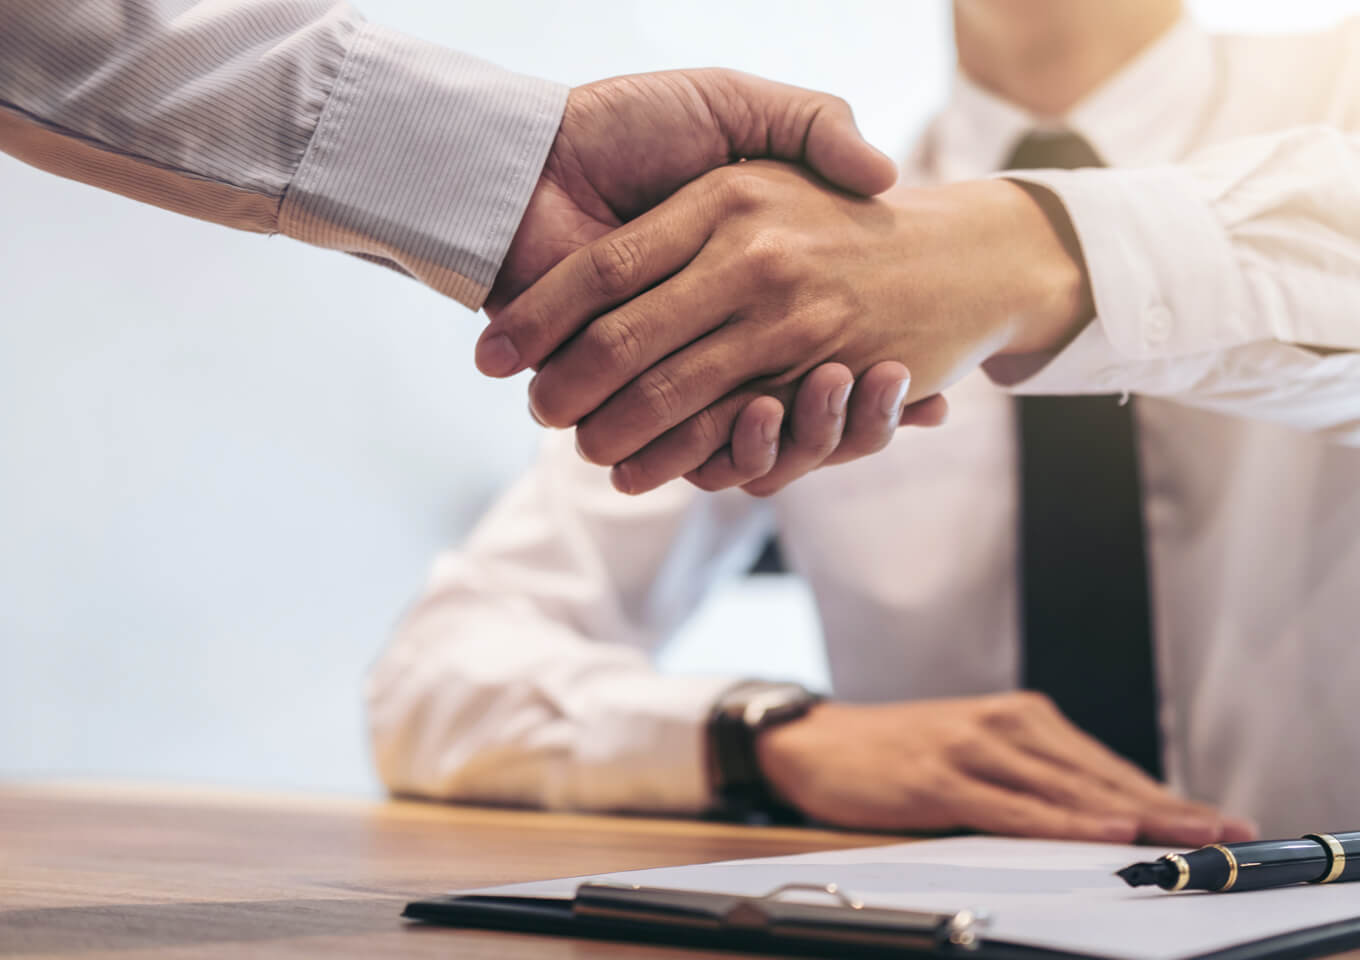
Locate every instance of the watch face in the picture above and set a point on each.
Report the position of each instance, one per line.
(772, 702)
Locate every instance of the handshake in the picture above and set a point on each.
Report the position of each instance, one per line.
(741, 323)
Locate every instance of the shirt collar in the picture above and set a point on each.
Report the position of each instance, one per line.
(1146, 114)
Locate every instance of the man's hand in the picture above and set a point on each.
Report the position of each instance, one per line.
(628, 143)
(747, 280)
(1008, 764)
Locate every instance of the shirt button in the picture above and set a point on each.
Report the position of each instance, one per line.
(1156, 324)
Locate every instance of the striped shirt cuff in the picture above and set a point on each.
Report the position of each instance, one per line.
(424, 158)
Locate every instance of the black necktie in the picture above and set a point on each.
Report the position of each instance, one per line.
(1084, 591)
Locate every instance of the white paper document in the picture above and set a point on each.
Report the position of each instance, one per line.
(1057, 896)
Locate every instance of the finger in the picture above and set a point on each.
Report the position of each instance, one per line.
(1240, 830)
(818, 423)
(1041, 728)
(768, 119)
(816, 430)
(752, 452)
(1049, 734)
(689, 445)
(1158, 821)
(875, 410)
(669, 393)
(591, 280)
(930, 411)
(618, 347)
(987, 807)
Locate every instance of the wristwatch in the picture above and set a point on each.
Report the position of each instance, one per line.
(741, 714)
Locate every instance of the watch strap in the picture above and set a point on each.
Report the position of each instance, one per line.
(738, 717)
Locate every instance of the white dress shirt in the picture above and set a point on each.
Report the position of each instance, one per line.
(525, 673)
(283, 116)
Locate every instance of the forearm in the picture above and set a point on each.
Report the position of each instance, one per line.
(484, 699)
(1230, 282)
(289, 116)
(524, 673)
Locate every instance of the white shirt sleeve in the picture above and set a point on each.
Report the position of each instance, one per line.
(282, 116)
(523, 675)
(1230, 282)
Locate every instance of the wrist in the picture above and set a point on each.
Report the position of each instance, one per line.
(777, 750)
(739, 720)
(1054, 301)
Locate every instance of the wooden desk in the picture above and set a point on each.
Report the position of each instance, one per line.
(173, 874)
(166, 873)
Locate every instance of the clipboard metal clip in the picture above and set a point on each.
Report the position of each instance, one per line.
(776, 917)
(847, 900)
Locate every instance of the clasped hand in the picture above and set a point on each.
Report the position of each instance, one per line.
(759, 322)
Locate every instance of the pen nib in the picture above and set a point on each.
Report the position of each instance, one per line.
(1144, 874)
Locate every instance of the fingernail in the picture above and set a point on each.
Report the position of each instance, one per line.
(537, 419)
(622, 476)
(497, 356)
(769, 432)
(894, 397)
(838, 400)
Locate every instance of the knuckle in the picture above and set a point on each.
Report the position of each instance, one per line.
(706, 430)
(742, 189)
(658, 394)
(614, 344)
(771, 256)
(615, 266)
(1034, 702)
(1003, 715)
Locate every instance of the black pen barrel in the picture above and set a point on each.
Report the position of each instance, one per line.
(1253, 866)
(1226, 867)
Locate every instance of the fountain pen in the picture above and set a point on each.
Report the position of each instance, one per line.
(1315, 858)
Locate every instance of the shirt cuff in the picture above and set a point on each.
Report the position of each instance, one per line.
(423, 158)
(645, 746)
(1163, 280)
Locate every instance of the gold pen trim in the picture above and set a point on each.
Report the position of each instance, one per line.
(1182, 871)
(1337, 851)
(1232, 866)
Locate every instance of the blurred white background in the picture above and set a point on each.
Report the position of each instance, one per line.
(228, 460)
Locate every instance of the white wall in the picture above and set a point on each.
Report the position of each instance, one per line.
(227, 461)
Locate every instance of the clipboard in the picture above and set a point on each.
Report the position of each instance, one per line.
(979, 898)
(772, 923)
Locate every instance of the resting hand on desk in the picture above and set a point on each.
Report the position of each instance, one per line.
(1007, 763)
(655, 338)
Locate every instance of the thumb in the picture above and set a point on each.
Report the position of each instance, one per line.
(769, 119)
